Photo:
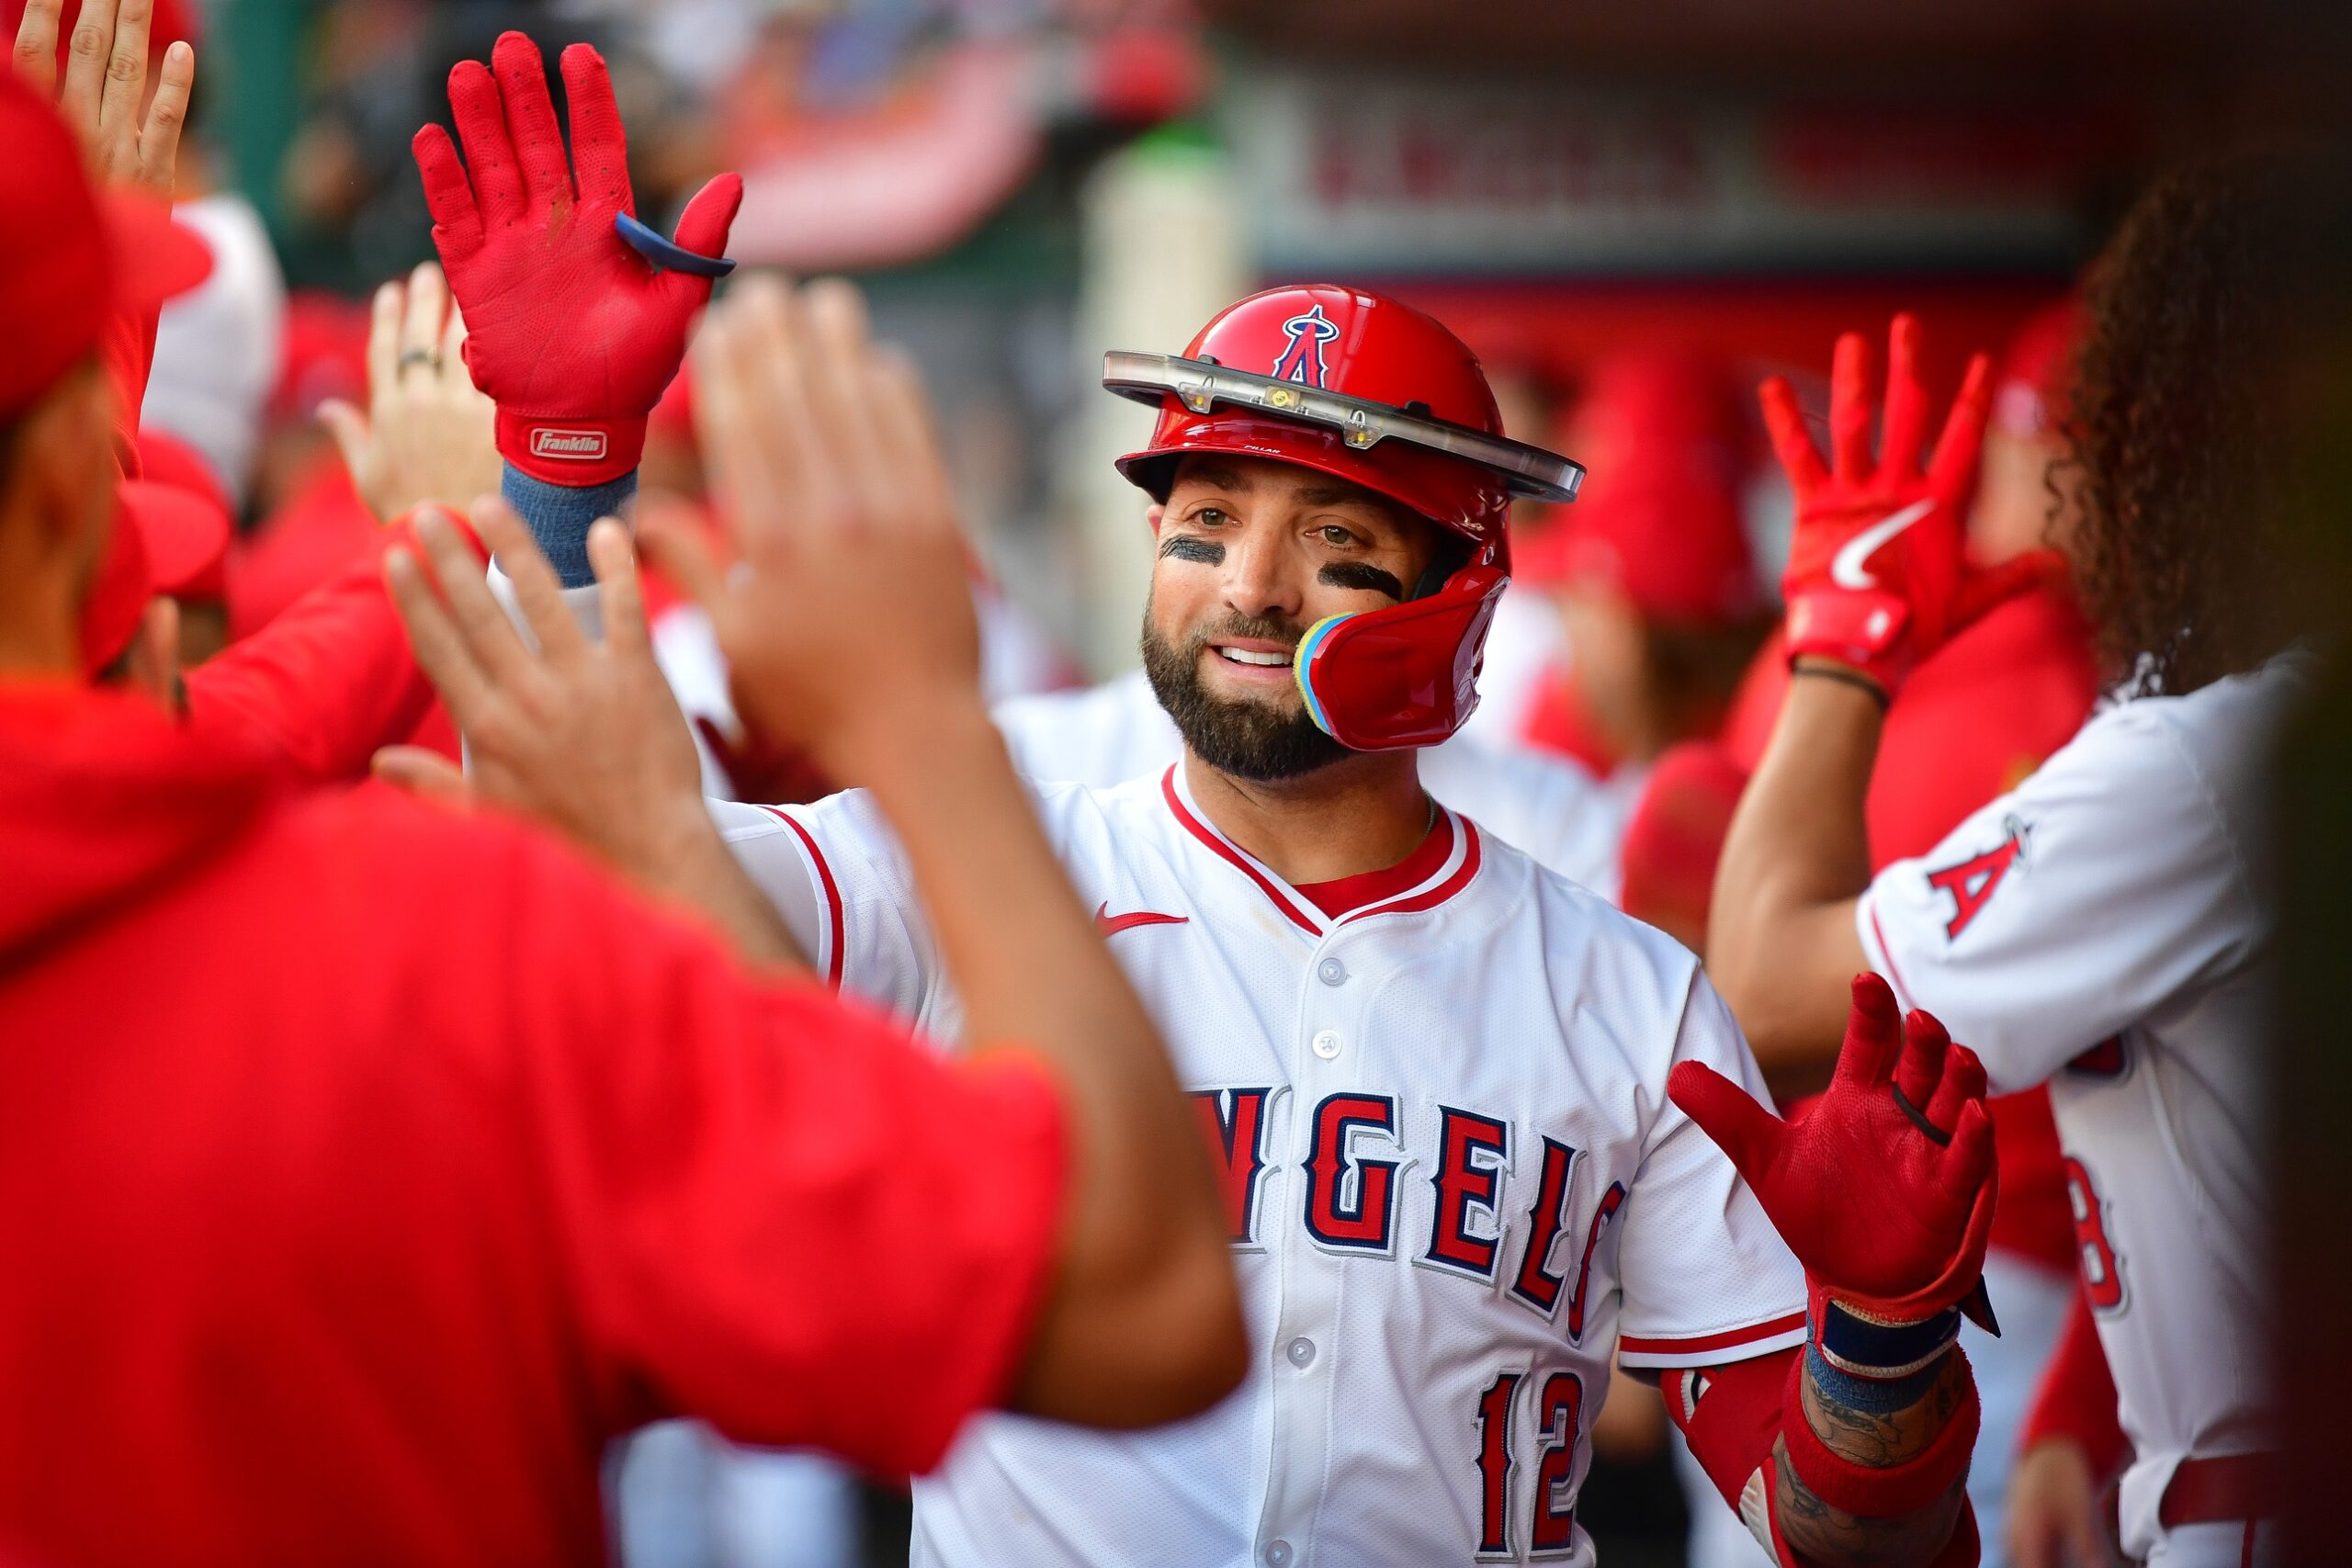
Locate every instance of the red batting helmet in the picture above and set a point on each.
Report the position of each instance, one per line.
(1374, 392)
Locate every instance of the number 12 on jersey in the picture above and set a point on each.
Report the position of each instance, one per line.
(1559, 1414)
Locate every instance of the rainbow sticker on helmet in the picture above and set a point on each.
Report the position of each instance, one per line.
(1304, 658)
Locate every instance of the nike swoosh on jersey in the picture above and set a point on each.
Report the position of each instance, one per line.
(1846, 566)
(1110, 924)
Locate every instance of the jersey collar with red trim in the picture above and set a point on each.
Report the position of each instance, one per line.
(1419, 885)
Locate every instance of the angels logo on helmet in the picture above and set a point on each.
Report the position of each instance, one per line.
(1302, 356)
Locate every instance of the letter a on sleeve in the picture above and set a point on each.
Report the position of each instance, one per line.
(2071, 908)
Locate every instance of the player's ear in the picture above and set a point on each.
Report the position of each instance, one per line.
(1153, 515)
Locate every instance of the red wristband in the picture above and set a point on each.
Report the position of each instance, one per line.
(1878, 1492)
(575, 452)
(1859, 627)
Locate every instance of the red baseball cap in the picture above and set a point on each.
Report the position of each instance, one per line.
(1659, 516)
(2035, 391)
(325, 354)
(117, 597)
(185, 538)
(164, 540)
(69, 256)
(168, 460)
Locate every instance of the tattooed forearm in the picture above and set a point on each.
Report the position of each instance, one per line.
(1876, 1440)
(1835, 1538)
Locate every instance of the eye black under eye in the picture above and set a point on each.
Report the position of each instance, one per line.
(1362, 574)
(1184, 547)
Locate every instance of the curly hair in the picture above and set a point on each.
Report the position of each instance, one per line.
(2177, 425)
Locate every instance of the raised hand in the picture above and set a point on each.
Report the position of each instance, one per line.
(1877, 563)
(573, 333)
(848, 624)
(1884, 1188)
(426, 434)
(128, 142)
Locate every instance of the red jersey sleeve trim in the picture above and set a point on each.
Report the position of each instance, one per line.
(1751, 1339)
(836, 935)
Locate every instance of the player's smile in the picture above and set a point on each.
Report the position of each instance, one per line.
(1255, 662)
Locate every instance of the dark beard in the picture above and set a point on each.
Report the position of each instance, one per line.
(1252, 740)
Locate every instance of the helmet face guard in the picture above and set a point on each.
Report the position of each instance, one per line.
(1203, 386)
(1405, 674)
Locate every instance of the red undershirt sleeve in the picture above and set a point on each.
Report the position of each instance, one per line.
(323, 684)
(1731, 1416)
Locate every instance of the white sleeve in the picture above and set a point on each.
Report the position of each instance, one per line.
(2102, 888)
(1706, 1278)
(834, 870)
(835, 873)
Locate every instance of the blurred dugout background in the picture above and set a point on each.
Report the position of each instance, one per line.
(1023, 184)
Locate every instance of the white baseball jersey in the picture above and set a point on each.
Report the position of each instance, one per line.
(1016, 658)
(1455, 1181)
(1547, 807)
(2102, 927)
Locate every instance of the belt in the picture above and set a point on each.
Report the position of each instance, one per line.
(2216, 1491)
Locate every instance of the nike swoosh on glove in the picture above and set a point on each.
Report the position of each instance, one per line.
(572, 333)
(1877, 576)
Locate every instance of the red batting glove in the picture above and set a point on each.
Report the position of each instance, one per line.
(1884, 1188)
(1876, 576)
(569, 331)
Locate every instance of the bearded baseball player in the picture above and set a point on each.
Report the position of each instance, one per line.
(2103, 926)
(1434, 1076)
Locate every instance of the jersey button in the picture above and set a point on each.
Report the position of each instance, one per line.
(1327, 1044)
(1278, 1554)
(1331, 972)
(1301, 1353)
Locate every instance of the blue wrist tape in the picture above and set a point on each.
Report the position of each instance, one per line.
(1881, 1351)
(1870, 1396)
(559, 517)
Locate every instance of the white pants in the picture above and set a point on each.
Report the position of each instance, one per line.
(684, 1497)
(2231, 1545)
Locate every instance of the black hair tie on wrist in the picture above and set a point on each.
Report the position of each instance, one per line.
(1853, 678)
